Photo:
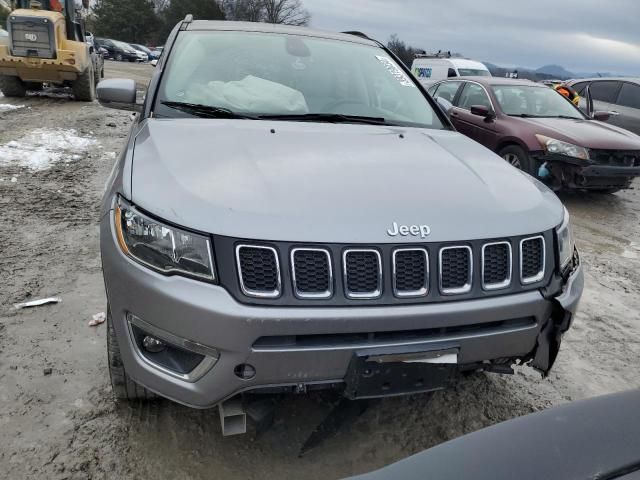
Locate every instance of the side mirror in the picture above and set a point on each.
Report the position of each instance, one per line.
(118, 93)
(601, 116)
(154, 63)
(482, 111)
(444, 104)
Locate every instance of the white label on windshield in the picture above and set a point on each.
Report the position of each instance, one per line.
(394, 70)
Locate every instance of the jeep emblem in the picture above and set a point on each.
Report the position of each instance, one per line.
(404, 230)
(32, 37)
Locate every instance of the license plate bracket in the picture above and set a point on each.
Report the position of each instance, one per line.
(386, 372)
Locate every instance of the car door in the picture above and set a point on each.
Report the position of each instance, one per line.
(604, 93)
(480, 129)
(626, 109)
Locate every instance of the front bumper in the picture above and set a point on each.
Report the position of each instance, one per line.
(502, 327)
(576, 173)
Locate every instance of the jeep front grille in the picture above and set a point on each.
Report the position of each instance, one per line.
(410, 272)
(362, 273)
(311, 273)
(532, 259)
(456, 270)
(290, 274)
(497, 264)
(259, 271)
(31, 37)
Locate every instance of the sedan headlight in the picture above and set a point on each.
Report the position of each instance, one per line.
(162, 247)
(555, 146)
(566, 242)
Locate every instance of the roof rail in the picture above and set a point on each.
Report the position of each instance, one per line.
(439, 54)
(188, 18)
(357, 34)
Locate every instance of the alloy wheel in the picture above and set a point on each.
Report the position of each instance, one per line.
(513, 159)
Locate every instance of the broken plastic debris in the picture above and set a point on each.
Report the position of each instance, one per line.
(14, 180)
(97, 319)
(38, 303)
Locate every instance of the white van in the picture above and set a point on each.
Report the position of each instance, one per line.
(429, 69)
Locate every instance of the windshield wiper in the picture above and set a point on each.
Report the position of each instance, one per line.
(562, 116)
(206, 111)
(327, 117)
(524, 115)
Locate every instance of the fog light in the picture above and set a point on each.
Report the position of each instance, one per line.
(245, 371)
(153, 345)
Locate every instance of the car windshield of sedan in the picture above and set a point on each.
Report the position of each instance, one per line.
(534, 101)
(256, 74)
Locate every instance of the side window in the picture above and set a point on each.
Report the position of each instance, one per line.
(432, 89)
(629, 96)
(452, 73)
(473, 94)
(605, 91)
(579, 87)
(447, 90)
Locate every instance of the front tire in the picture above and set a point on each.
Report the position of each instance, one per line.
(84, 88)
(123, 387)
(518, 158)
(12, 86)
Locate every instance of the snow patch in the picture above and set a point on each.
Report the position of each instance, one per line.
(4, 107)
(43, 147)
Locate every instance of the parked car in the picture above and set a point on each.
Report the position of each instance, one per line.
(142, 56)
(156, 52)
(150, 55)
(119, 51)
(618, 96)
(541, 132)
(316, 224)
(429, 69)
(588, 439)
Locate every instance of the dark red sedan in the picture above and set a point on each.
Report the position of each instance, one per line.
(537, 130)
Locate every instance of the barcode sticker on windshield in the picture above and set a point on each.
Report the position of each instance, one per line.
(394, 70)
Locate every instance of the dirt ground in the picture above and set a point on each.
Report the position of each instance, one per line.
(63, 424)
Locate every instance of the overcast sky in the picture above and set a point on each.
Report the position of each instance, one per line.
(580, 35)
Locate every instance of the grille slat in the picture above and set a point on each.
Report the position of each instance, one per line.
(532, 260)
(311, 273)
(496, 265)
(259, 271)
(362, 274)
(410, 272)
(456, 271)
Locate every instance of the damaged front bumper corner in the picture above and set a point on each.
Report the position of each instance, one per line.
(564, 309)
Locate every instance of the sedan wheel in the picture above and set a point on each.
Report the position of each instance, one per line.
(119, 57)
(513, 159)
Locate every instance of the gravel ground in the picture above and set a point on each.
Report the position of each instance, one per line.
(63, 423)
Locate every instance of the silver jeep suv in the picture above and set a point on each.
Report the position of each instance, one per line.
(293, 211)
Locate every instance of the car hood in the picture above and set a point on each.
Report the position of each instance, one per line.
(585, 133)
(315, 182)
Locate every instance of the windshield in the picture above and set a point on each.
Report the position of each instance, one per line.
(275, 74)
(534, 101)
(473, 72)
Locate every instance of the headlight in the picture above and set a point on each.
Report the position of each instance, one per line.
(552, 145)
(163, 248)
(566, 243)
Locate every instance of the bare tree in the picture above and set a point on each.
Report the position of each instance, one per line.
(288, 12)
(244, 10)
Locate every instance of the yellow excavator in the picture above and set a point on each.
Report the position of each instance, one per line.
(47, 44)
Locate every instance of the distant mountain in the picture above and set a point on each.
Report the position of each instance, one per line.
(547, 72)
(556, 71)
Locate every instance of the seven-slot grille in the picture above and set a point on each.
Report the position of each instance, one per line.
(259, 271)
(410, 272)
(532, 259)
(32, 37)
(309, 270)
(496, 265)
(456, 270)
(312, 275)
(362, 273)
